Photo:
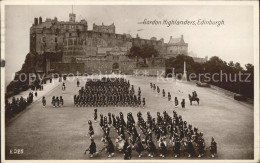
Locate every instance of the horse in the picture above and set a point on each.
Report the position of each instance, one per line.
(192, 98)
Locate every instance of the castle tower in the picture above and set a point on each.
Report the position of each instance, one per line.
(72, 17)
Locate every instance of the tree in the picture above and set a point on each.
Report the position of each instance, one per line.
(231, 64)
(238, 67)
(134, 51)
(146, 51)
(249, 67)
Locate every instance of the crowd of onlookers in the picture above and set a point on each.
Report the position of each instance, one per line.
(17, 105)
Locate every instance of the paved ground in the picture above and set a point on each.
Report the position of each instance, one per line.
(60, 133)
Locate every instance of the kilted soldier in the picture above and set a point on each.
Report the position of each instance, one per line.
(158, 90)
(163, 93)
(43, 101)
(61, 101)
(101, 123)
(95, 115)
(201, 146)
(177, 147)
(109, 120)
(143, 102)
(169, 96)
(139, 100)
(163, 149)
(114, 121)
(91, 130)
(110, 147)
(77, 82)
(92, 148)
(151, 85)
(151, 148)
(63, 86)
(189, 147)
(53, 101)
(154, 87)
(183, 103)
(128, 152)
(176, 101)
(213, 147)
(57, 102)
(139, 146)
(139, 91)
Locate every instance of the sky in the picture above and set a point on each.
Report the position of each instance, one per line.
(232, 41)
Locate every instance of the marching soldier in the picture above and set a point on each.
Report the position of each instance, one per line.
(77, 82)
(201, 146)
(139, 146)
(95, 115)
(163, 149)
(176, 102)
(213, 148)
(92, 148)
(143, 102)
(43, 101)
(169, 96)
(183, 103)
(177, 147)
(91, 130)
(189, 147)
(61, 101)
(163, 93)
(110, 147)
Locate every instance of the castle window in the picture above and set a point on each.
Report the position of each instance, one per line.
(69, 34)
(170, 51)
(56, 39)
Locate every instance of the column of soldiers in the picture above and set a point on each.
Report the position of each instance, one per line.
(157, 90)
(142, 135)
(108, 92)
(17, 105)
(56, 101)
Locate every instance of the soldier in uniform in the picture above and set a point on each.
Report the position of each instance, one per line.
(61, 101)
(95, 115)
(92, 148)
(77, 82)
(57, 102)
(189, 147)
(163, 149)
(139, 146)
(110, 147)
(91, 130)
(143, 102)
(183, 103)
(163, 93)
(177, 147)
(176, 102)
(201, 146)
(53, 101)
(43, 101)
(169, 96)
(213, 147)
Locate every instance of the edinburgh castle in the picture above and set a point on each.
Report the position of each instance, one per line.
(97, 50)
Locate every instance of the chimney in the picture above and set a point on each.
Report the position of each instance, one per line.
(170, 37)
(40, 20)
(181, 36)
(35, 21)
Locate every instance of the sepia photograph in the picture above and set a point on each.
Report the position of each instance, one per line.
(170, 81)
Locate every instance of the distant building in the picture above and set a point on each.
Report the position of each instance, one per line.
(105, 29)
(176, 46)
